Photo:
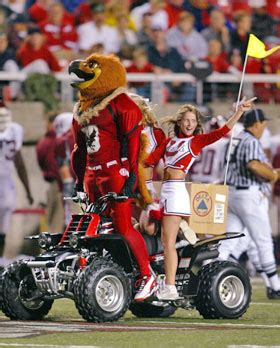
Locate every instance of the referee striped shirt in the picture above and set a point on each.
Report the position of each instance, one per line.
(246, 148)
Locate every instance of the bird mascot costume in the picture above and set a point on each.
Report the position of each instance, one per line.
(107, 129)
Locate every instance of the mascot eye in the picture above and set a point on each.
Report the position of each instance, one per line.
(92, 65)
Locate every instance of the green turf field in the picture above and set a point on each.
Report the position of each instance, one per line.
(63, 327)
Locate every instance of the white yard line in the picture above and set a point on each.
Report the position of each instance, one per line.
(162, 325)
(274, 304)
(250, 346)
(46, 345)
(249, 326)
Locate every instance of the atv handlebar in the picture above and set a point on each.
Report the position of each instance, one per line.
(113, 196)
(100, 204)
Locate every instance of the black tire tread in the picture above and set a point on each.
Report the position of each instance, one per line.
(82, 295)
(205, 303)
(2, 269)
(12, 307)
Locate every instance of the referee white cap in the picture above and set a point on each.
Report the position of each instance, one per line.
(253, 116)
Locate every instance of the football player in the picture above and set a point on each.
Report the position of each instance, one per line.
(11, 138)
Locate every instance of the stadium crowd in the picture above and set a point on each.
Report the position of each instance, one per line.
(153, 36)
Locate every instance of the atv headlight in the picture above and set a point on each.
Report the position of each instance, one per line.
(44, 240)
(74, 240)
(47, 240)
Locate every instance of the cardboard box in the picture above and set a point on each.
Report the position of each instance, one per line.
(208, 207)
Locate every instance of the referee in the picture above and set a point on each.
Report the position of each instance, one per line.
(249, 178)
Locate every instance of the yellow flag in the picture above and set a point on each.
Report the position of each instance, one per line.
(256, 48)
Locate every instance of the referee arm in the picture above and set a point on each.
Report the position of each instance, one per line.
(264, 170)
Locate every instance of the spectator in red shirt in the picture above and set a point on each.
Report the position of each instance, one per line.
(271, 65)
(63, 147)
(38, 12)
(240, 6)
(82, 13)
(217, 57)
(34, 56)
(235, 59)
(45, 153)
(262, 90)
(45, 150)
(140, 64)
(60, 32)
(173, 8)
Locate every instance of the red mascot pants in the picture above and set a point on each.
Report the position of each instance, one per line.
(110, 177)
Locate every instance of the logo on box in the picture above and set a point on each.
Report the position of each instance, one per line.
(202, 203)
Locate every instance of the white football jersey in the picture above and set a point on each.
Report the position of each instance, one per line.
(10, 142)
(210, 164)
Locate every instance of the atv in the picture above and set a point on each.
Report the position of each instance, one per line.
(92, 264)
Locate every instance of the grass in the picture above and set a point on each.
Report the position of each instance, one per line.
(186, 328)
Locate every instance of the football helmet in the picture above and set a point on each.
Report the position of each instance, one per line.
(62, 123)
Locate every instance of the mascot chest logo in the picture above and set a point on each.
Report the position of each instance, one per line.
(92, 138)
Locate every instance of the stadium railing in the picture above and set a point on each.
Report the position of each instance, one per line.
(66, 91)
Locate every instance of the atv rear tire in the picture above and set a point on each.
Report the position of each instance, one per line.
(18, 287)
(224, 291)
(1, 286)
(102, 292)
(152, 310)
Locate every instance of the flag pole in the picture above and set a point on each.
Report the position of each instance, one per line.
(236, 107)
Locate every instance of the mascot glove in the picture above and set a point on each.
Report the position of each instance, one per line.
(129, 186)
(154, 212)
(78, 194)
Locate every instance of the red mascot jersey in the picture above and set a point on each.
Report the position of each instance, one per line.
(99, 142)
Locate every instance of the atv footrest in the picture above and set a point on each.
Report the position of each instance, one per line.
(47, 264)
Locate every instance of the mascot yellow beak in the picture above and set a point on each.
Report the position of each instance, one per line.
(88, 72)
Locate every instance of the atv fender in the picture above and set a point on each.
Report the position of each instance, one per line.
(115, 244)
(207, 248)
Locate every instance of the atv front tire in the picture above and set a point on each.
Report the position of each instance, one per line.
(224, 291)
(102, 292)
(19, 291)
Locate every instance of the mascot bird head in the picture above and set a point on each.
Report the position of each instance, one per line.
(99, 75)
